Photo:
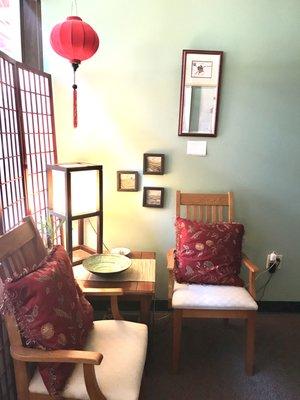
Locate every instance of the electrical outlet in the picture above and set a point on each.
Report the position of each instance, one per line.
(274, 262)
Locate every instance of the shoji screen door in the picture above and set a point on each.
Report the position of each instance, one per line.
(27, 144)
(27, 138)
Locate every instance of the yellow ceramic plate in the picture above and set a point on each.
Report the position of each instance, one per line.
(106, 263)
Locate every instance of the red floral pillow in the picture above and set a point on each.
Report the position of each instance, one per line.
(51, 312)
(208, 253)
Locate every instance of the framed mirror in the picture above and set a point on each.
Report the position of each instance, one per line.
(200, 92)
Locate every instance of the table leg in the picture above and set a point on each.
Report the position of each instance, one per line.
(145, 309)
(145, 318)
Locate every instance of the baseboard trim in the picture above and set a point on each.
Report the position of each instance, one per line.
(279, 306)
(162, 305)
(263, 306)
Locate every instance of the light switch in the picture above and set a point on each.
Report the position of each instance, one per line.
(196, 147)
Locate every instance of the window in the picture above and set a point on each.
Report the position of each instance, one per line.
(10, 30)
(27, 141)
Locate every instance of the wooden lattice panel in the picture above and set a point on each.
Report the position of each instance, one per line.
(27, 141)
(39, 137)
(11, 175)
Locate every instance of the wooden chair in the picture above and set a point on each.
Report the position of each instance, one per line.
(114, 355)
(210, 301)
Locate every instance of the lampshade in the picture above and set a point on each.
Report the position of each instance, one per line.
(75, 197)
(84, 192)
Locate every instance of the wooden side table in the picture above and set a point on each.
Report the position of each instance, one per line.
(141, 291)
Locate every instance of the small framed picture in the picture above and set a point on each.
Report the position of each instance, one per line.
(153, 197)
(154, 164)
(127, 181)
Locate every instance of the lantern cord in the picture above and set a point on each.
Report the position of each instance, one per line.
(75, 117)
(74, 5)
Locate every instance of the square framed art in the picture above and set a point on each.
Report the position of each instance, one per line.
(153, 197)
(154, 164)
(127, 181)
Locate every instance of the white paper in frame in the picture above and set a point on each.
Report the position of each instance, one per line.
(202, 69)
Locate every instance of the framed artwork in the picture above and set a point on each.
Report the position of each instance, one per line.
(153, 197)
(154, 164)
(127, 181)
(200, 92)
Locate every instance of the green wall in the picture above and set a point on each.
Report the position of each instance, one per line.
(128, 105)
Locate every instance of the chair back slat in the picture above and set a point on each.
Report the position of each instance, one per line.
(205, 207)
(214, 214)
(189, 212)
(208, 214)
(14, 239)
(20, 257)
(178, 203)
(195, 213)
(220, 213)
(22, 247)
(201, 212)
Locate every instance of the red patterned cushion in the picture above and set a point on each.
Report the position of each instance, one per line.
(51, 312)
(208, 253)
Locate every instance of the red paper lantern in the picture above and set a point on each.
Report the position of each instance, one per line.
(77, 41)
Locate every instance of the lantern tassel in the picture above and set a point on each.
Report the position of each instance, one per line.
(75, 122)
(75, 116)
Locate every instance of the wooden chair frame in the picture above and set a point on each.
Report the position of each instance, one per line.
(211, 208)
(21, 247)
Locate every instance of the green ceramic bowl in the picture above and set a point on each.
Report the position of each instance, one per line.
(106, 263)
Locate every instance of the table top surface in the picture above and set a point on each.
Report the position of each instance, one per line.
(129, 288)
(142, 254)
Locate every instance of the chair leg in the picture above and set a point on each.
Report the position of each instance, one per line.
(177, 325)
(250, 342)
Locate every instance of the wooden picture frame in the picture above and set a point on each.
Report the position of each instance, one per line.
(153, 197)
(153, 164)
(127, 181)
(200, 93)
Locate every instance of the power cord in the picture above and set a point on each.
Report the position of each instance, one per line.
(264, 286)
(264, 271)
(271, 269)
(92, 226)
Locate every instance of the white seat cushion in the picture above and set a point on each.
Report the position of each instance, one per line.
(212, 297)
(123, 345)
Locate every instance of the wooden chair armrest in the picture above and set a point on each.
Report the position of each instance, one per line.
(87, 358)
(66, 356)
(102, 292)
(252, 270)
(249, 264)
(171, 259)
(170, 268)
